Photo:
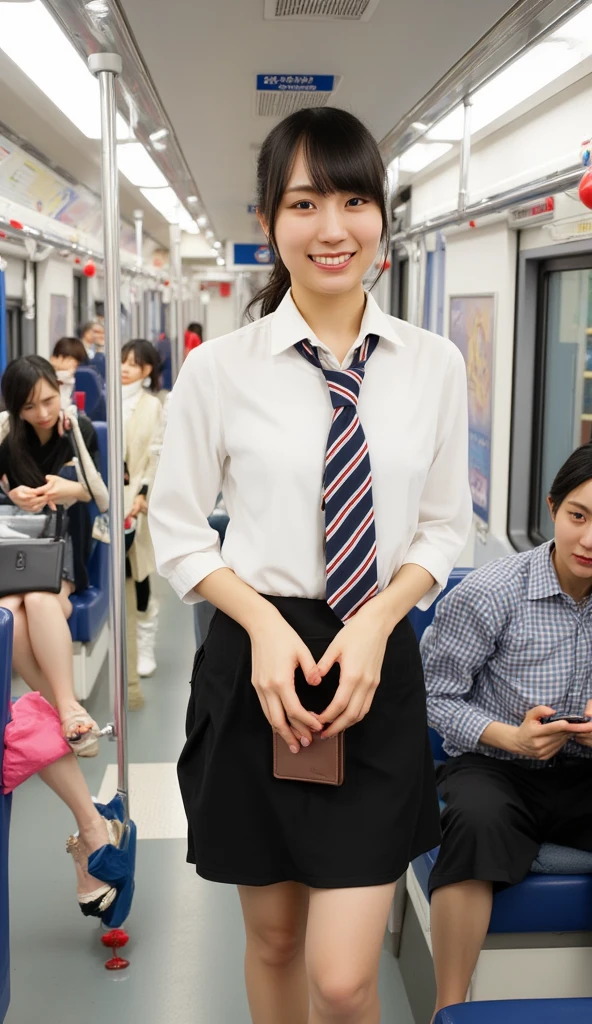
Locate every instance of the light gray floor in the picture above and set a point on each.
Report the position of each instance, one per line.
(186, 935)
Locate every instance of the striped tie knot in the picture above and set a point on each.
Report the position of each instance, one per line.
(350, 532)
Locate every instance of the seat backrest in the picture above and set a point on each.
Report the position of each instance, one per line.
(5, 802)
(420, 622)
(88, 380)
(98, 564)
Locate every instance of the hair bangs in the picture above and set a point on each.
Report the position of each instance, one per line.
(336, 164)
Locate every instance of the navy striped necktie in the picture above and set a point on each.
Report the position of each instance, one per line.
(350, 532)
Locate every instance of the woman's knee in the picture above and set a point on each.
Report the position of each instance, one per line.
(12, 602)
(341, 993)
(276, 945)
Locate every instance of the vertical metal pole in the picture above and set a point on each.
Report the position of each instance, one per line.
(106, 67)
(178, 339)
(139, 219)
(465, 158)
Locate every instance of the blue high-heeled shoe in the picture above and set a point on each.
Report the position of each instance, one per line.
(116, 865)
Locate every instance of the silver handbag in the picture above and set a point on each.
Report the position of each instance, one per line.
(32, 563)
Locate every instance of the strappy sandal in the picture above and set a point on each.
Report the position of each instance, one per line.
(96, 903)
(83, 744)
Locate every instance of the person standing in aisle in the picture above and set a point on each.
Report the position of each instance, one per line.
(338, 438)
(142, 434)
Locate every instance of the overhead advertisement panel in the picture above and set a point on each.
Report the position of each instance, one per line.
(295, 83)
(252, 255)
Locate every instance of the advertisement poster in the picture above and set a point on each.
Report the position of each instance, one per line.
(471, 330)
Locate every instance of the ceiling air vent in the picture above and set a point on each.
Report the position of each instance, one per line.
(320, 10)
(280, 95)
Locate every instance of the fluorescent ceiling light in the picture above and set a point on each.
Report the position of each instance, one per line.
(166, 201)
(421, 155)
(35, 42)
(191, 199)
(538, 67)
(202, 221)
(221, 261)
(138, 166)
(209, 234)
(216, 245)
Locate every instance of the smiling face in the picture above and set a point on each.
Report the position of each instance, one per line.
(327, 242)
(42, 407)
(573, 537)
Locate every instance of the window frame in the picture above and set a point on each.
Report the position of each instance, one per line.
(528, 383)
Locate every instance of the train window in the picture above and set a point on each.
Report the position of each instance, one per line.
(399, 282)
(563, 405)
(14, 333)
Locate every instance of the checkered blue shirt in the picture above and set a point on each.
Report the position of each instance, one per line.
(503, 641)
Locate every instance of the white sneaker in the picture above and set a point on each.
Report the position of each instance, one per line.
(146, 633)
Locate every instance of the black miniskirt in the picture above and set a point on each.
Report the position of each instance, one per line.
(247, 827)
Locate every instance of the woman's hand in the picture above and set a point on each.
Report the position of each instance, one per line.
(277, 650)
(25, 497)
(359, 650)
(57, 490)
(139, 507)
(63, 423)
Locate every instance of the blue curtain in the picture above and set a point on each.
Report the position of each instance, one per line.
(3, 341)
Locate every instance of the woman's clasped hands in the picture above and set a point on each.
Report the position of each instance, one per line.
(55, 491)
(277, 651)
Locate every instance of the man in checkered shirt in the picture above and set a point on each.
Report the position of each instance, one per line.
(510, 647)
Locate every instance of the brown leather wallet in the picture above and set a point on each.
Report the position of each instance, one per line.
(323, 761)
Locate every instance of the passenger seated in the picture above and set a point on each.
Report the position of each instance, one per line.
(68, 354)
(36, 474)
(509, 648)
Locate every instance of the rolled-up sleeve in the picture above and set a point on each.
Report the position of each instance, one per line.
(188, 479)
(445, 509)
(462, 640)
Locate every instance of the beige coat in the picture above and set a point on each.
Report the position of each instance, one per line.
(143, 441)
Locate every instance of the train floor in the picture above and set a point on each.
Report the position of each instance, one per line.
(186, 935)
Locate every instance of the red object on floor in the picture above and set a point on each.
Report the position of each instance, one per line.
(115, 939)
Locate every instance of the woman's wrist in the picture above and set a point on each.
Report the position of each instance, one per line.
(502, 736)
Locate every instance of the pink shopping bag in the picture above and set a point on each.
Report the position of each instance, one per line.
(32, 740)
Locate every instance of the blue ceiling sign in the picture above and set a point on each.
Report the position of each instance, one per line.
(252, 208)
(252, 255)
(295, 83)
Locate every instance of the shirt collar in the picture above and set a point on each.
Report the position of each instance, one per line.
(543, 578)
(288, 326)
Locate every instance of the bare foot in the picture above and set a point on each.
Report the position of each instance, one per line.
(91, 839)
(75, 720)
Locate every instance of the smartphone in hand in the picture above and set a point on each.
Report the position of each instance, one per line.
(570, 719)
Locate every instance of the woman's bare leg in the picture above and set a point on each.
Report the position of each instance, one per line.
(67, 781)
(343, 945)
(51, 645)
(23, 658)
(275, 922)
(460, 916)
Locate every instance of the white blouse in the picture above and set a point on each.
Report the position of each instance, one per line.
(250, 417)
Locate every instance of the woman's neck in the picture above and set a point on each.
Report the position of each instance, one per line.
(334, 319)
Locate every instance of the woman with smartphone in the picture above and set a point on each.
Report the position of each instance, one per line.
(338, 438)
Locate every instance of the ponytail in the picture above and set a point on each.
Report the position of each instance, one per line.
(273, 292)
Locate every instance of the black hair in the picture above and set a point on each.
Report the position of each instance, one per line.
(195, 328)
(85, 327)
(144, 354)
(577, 470)
(19, 380)
(72, 348)
(341, 156)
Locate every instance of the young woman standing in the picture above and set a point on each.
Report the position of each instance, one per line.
(339, 525)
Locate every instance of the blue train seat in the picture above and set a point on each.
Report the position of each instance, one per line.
(88, 622)
(519, 1011)
(88, 380)
(5, 805)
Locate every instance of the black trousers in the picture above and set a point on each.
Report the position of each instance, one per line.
(499, 813)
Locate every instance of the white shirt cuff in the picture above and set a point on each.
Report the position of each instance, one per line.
(435, 563)
(191, 571)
